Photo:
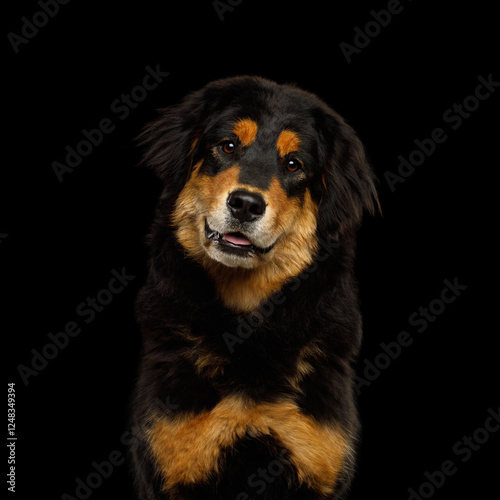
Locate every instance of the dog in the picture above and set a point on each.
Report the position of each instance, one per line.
(249, 315)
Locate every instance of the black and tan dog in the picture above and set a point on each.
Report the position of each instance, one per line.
(249, 316)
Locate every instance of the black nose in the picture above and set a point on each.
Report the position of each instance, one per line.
(246, 206)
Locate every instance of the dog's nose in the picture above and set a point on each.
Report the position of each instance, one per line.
(246, 206)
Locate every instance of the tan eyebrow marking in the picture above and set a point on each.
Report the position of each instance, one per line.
(288, 142)
(246, 130)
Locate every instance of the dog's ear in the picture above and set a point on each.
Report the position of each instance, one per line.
(170, 141)
(348, 182)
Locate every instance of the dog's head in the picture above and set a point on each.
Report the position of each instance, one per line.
(259, 172)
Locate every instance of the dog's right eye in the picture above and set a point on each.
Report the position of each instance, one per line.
(228, 147)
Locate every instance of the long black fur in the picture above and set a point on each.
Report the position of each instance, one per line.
(320, 304)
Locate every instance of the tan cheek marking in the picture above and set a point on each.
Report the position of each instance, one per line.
(187, 450)
(296, 249)
(200, 195)
(246, 130)
(184, 216)
(284, 209)
(288, 142)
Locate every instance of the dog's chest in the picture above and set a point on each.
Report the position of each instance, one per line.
(189, 448)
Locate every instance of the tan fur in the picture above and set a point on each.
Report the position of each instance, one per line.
(200, 195)
(293, 224)
(207, 364)
(244, 289)
(187, 449)
(288, 142)
(308, 355)
(193, 146)
(246, 130)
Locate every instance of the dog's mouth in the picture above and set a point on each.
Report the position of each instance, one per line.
(235, 242)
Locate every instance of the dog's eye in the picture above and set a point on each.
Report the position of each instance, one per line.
(228, 147)
(293, 165)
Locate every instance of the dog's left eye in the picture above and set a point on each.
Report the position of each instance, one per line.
(293, 165)
(228, 147)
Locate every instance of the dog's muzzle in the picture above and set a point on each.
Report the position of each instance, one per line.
(235, 242)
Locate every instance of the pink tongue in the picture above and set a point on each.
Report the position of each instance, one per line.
(237, 240)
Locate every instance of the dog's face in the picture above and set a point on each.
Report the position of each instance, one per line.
(259, 171)
(248, 199)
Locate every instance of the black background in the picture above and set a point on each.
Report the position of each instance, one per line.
(61, 240)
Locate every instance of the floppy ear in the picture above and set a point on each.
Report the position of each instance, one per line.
(170, 141)
(348, 188)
